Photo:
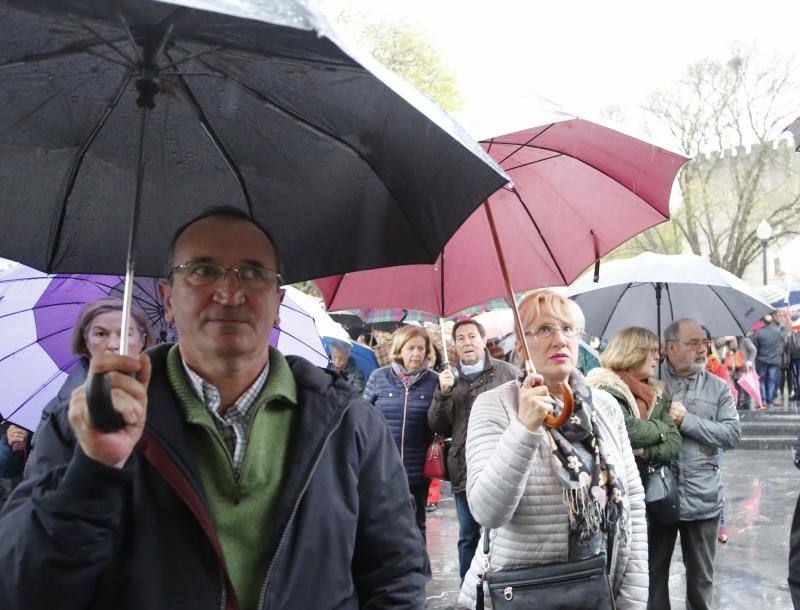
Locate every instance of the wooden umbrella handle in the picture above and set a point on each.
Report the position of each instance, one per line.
(569, 403)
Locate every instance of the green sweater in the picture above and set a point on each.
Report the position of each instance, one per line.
(243, 510)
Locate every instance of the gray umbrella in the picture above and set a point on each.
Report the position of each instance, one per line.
(653, 290)
(126, 117)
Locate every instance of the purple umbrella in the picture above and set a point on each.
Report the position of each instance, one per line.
(297, 334)
(38, 311)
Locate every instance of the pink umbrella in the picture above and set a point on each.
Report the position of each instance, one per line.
(579, 190)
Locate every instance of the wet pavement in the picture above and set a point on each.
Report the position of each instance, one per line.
(761, 489)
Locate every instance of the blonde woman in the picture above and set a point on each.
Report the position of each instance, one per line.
(403, 392)
(628, 370)
(628, 373)
(553, 495)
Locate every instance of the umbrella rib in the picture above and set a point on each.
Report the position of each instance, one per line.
(597, 169)
(300, 341)
(215, 140)
(111, 44)
(719, 296)
(76, 166)
(539, 231)
(319, 132)
(38, 307)
(611, 315)
(99, 55)
(671, 308)
(40, 388)
(35, 342)
(73, 49)
(520, 146)
(554, 156)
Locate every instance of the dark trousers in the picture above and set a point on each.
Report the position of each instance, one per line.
(420, 494)
(794, 368)
(698, 544)
(794, 556)
(469, 532)
(769, 375)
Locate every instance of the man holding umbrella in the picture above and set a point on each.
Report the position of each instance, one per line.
(236, 468)
(706, 416)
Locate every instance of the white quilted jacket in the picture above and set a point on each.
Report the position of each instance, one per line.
(513, 488)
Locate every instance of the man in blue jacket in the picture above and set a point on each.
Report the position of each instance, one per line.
(242, 479)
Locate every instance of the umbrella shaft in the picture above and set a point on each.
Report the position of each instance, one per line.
(129, 265)
(127, 301)
(529, 367)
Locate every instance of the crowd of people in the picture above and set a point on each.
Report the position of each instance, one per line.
(243, 477)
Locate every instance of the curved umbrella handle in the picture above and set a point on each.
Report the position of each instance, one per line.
(98, 398)
(566, 411)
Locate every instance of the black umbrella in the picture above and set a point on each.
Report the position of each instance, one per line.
(262, 109)
(151, 111)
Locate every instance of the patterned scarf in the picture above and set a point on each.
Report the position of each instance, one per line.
(593, 494)
(411, 377)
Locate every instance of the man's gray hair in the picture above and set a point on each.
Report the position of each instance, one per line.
(673, 331)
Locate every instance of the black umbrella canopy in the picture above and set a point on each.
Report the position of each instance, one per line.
(262, 109)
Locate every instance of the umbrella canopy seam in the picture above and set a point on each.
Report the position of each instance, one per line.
(80, 155)
(521, 146)
(215, 140)
(326, 134)
(597, 169)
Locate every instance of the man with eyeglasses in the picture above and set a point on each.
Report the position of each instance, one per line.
(243, 479)
(704, 410)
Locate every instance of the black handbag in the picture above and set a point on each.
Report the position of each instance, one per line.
(661, 495)
(553, 586)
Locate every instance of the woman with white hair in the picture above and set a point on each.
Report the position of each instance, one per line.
(555, 495)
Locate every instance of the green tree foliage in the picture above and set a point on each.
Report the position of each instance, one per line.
(411, 54)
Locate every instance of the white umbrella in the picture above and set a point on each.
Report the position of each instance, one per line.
(685, 285)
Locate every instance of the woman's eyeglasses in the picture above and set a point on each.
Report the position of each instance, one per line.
(547, 331)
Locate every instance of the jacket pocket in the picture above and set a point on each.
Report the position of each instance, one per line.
(701, 486)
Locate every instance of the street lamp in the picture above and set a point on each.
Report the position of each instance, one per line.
(764, 232)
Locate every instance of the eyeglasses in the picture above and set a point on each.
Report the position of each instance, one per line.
(547, 331)
(205, 273)
(694, 344)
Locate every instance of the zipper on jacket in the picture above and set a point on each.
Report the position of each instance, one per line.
(300, 496)
(403, 428)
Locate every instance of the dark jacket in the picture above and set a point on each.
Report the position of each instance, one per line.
(769, 344)
(406, 412)
(142, 538)
(449, 412)
(12, 463)
(76, 377)
(352, 375)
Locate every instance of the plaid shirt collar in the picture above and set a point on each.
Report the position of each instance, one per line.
(209, 394)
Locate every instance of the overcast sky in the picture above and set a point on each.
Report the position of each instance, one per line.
(583, 55)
